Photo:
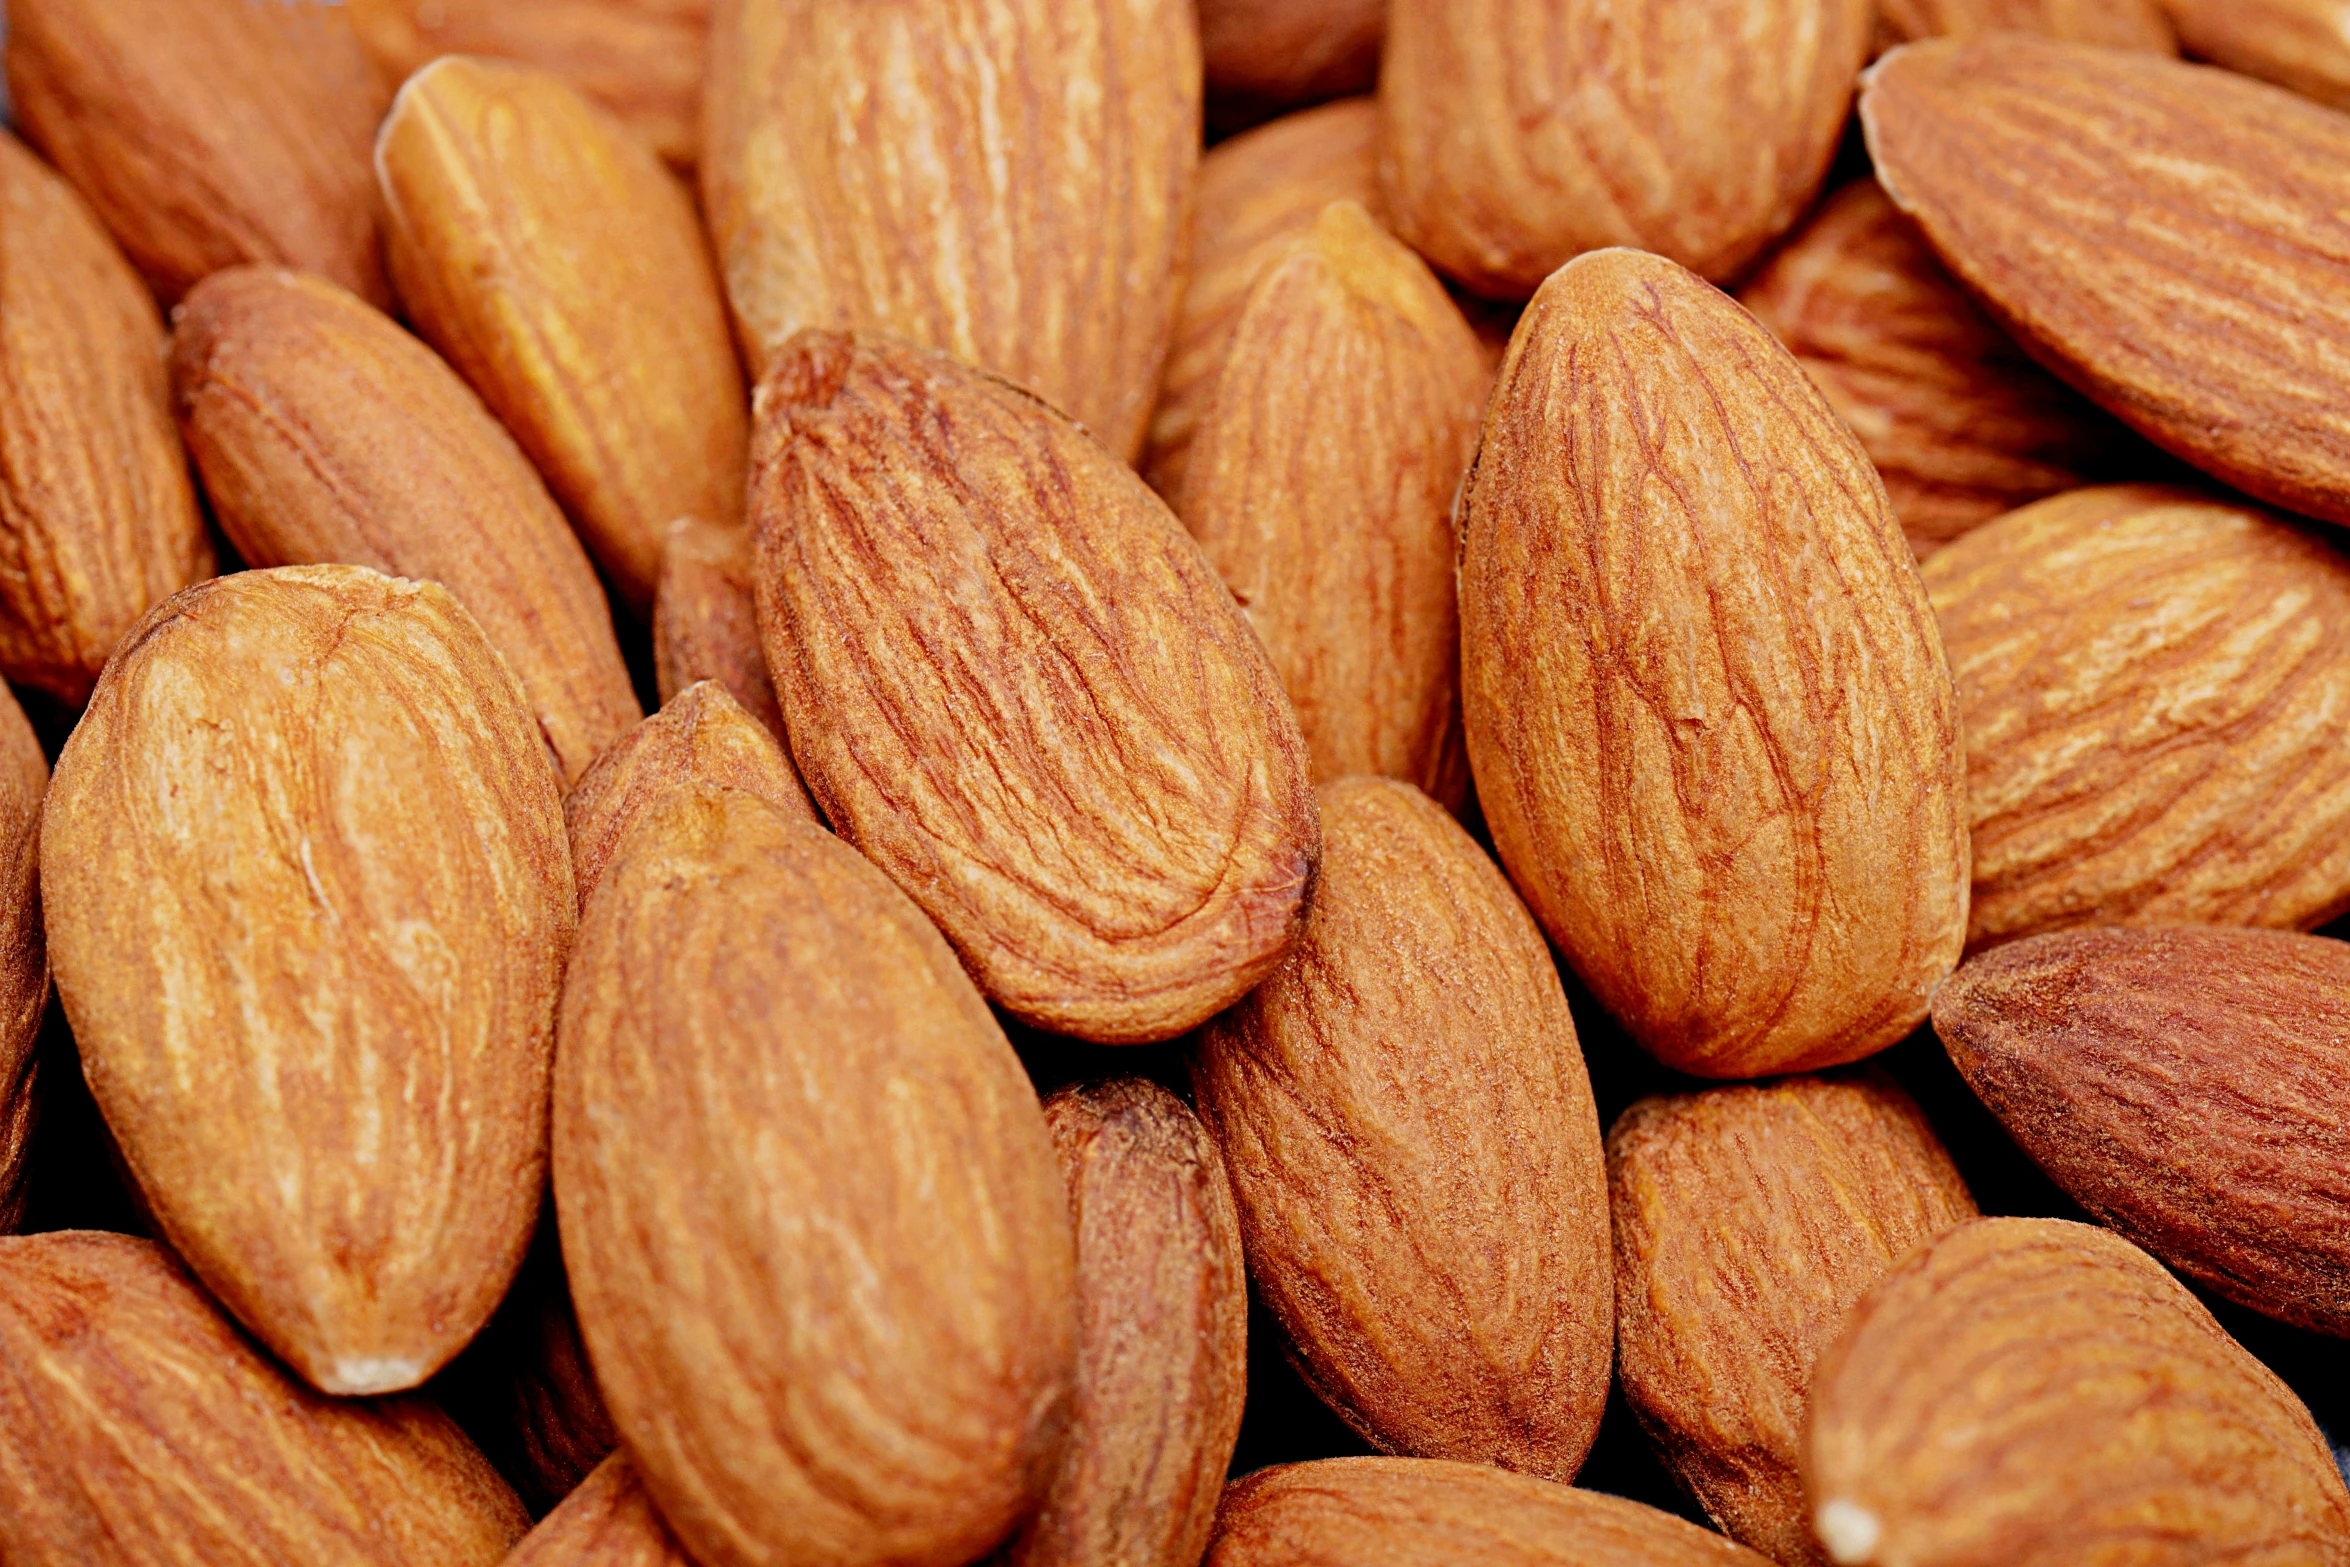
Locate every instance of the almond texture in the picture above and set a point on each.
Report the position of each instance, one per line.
(706, 618)
(2117, 24)
(1706, 704)
(308, 902)
(24, 956)
(1267, 53)
(608, 1522)
(2301, 44)
(1016, 685)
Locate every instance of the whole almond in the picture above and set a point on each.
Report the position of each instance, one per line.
(1015, 683)
(2163, 236)
(143, 1429)
(308, 901)
(2301, 44)
(2151, 683)
(2187, 1087)
(608, 1522)
(24, 955)
(1410, 1132)
(1265, 54)
(325, 433)
(2117, 24)
(553, 261)
(1516, 134)
(208, 133)
(818, 1242)
(97, 518)
(1711, 725)
(706, 618)
(2029, 1393)
(1748, 1222)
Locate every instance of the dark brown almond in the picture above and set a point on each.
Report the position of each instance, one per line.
(706, 618)
(24, 955)
(1268, 54)
(2117, 24)
(2301, 44)
(608, 1522)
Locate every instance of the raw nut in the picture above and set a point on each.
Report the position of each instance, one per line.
(308, 901)
(1415, 1512)
(775, 1085)
(1960, 423)
(2152, 683)
(1267, 54)
(2161, 235)
(1008, 181)
(325, 433)
(608, 1522)
(144, 1429)
(208, 133)
(97, 517)
(1320, 484)
(2185, 1086)
(702, 737)
(24, 957)
(2030, 1393)
(1706, 704)
(1015, 683)
(2301, 44)
(1410, 1132)
(562, 271)
(2117, 24)
(706, 619)
(1516, 134)
(1162, 1333)
(1748, 1222)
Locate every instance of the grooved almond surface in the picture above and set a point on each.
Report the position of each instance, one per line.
(2028, 1393)
(608, 1522)
(2152, 682)
(1274, 52)
(1706, 703)
(2166, 237)
(1410, 1131)
(1007, 181)
(2188, 1087)
(2116, 24)
(308, 902)
(706, 618)
(2301, 44)
(1748, 1222)
(24, 956)
(1015, 684)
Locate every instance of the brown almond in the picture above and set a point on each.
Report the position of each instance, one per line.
(2030, 1393)
(1748, 1222)
(208, 133)
(325, 433)
(706, 618)
(608, 1522)
(2187, 1087)
(1410, 1132)
(308, 902)
(1014, 682)
(1516, 134)
(562, 271)
(820, 1249)
(1267, 54)
(24, 955)
(1706, 704)
(2300, 44)
(2116, 24)
(1009, 184)
(2152, 683)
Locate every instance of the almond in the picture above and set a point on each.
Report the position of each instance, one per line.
(2161, 235)
(2301, 44)
(1007, 182)
(2028, 1393)
(706, 619)
(308, 901)
(1015, 683)
(2117, 24)
(1265, 54)
(608, 1522)
(2186, 1086)
(325, 433)
(554, 262)
(819, 1246)
(1517, 133)
(1960, 423)
(97, 518)
(207, 133)
(1748, 1222)
(1711, 725)
(2152, 682)
(24, 956)
(1411, 1136)
(145, 1430)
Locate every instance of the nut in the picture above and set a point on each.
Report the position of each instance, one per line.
(24, 956)
(2299, 44)
(706, 619)
(608, 1522)
(2117, 24)
(1265, 54)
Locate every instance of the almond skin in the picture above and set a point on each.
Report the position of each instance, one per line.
(1007, 181)
(1748, 1222)
(24, 955)
(1712, 729)
(2160, 235)
(2301, 44)
(1411, 1136)
(2186, 1086)
(2117, 24)
(775, 1085)
(325, 433)
(2028, 1393)
(608, 1522)
(1517, 133)
(560, 268)
(706, 619)
(308, 901)
(1265, 54)
(208, 133)
(146, 1431)
(2152, 682)
(1014, 683)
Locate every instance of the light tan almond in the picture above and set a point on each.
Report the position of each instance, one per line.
(24, 955)
(1268, 54)
(2116, 24)
(706, 619)
(608, 1522)
(2301, 44)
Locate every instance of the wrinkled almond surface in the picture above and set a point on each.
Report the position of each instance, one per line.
(2301, 44)
(706, 618)
(2117, 24)
(24, 956)
(1266, 53)
(608, 1522)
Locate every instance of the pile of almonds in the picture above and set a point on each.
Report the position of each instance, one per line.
(1288, 783)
